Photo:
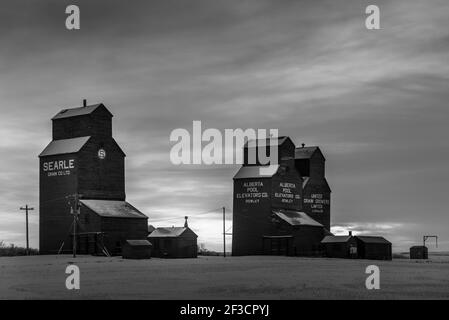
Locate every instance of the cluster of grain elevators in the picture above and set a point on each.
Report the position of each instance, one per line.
(284, 211)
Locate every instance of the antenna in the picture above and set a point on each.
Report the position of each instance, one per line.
(424, 239)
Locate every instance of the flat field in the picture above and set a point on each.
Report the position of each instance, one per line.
(257, 277)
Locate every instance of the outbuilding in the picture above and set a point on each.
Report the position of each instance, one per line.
(419, 252)
(374, 248)
(117, 220)
(174, 242)
(340, 247)
(136, 249)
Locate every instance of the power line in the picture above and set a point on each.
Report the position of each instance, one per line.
(224, 232)
(190, 215)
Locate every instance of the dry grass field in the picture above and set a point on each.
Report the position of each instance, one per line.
(258, 277)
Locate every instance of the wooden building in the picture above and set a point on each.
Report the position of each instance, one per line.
(373, 248)
(117, 220)
(174, 242)
(340, 247)
(356, 247)
(137, 249)
(267, 205)
(419, 252)
(83, 166)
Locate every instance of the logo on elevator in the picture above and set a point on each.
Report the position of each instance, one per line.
(58, 167)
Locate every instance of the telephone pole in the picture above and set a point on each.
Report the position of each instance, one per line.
(26, 208)
(75, 210)
(224, 232)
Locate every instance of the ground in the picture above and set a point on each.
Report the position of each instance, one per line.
(258, 277)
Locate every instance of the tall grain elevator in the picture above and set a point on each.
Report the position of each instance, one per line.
(310, 163)
(268, 215)
(84, 163)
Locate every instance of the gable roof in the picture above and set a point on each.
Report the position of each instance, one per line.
(305, 152)
(113, 208)
(139, 243)
(371, 239)
(169, 232)
(63, 146)
(336, 239)
(266, 142)
(296, 218)
(255, 172)
(79, 111)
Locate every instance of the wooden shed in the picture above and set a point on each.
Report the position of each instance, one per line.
(374, 248)
(419, 252)
(174, 242)
(136, 249)
(117, 220)
(340, 247)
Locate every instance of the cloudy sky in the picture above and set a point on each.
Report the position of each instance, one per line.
(375, 101)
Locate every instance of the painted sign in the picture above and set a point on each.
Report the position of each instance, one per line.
(316, 202)
(252, 192)
(286, 193)
(58, 167)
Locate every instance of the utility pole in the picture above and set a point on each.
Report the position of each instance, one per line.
(26, 214)
(424, 239)
(224, 232)
(75, 211)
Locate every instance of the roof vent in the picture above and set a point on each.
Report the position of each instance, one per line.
(303, 145)
(186, 225)
(84, 103)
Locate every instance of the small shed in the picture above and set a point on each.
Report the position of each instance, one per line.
(374, 248)
(136, 249)
(339, 246)
(419, 252)
(117, 220)
(174, 242)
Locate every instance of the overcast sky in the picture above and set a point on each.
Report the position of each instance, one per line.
(376, 102)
